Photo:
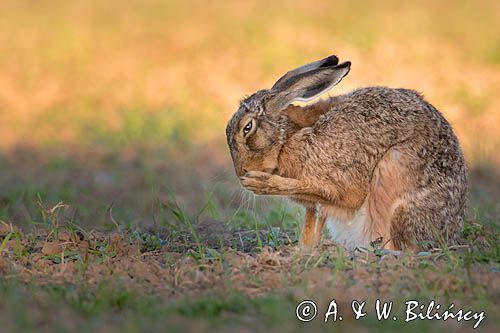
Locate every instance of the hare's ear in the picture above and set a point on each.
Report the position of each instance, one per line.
(328, 61)
(306, 86)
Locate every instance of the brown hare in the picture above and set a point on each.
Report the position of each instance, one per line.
(374, 164)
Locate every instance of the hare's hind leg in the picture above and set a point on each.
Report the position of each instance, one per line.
(406, 229)
(425, 219)
(313, 225)
(389, 183)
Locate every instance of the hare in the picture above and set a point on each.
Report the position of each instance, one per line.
(375, 165)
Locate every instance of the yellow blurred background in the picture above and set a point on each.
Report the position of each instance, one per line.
(84, 79)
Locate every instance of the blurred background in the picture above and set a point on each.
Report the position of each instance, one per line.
(123, 104)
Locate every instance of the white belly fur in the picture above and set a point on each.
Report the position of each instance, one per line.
(353, 233)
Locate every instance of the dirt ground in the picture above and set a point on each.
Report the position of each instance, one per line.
(221, 261)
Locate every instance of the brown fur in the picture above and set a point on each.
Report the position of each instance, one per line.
(388, 183)
(383, 154)
(306, 116)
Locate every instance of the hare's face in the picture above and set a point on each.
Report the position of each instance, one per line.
(252, 136)
(257, 131)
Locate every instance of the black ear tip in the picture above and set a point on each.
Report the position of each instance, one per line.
(344, 64)
(330, 61)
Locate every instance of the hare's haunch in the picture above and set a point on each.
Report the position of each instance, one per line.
(374, 164)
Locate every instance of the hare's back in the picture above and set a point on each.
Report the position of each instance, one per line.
(363, 125)
(387, 105)
(383, 117)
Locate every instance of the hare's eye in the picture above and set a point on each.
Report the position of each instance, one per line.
(247, 128)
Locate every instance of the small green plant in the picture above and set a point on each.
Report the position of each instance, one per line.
(150, 242)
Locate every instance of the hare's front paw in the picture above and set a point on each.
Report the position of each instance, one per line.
(264, 183)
